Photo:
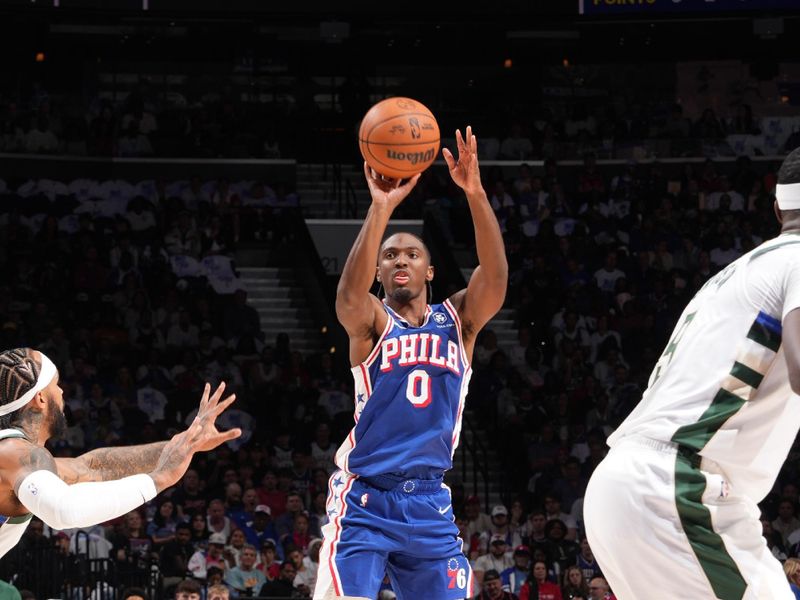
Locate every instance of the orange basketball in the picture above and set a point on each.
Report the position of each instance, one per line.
(399, 137)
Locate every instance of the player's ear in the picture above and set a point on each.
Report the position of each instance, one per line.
(38, 402)
(377, 273)
(429, 274)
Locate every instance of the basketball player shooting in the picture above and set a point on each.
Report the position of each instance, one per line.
(389, 510)
(674, 505)
(97, 486)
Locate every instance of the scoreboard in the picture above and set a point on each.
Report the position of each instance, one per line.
(644, 7)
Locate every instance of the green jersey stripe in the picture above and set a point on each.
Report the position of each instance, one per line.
(765, 335)
(746, 375)
(697, 435)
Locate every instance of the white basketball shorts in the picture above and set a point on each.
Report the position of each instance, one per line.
(661, 527)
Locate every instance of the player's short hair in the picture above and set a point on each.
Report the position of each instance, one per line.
(132, 592)
(790, 168)
(19, 371)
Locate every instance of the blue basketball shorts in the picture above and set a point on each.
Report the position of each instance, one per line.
(407, 532)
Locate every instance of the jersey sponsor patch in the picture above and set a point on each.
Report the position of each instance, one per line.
(440, 318)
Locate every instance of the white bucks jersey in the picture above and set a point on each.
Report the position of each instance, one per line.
(720, 388)
(11, 528)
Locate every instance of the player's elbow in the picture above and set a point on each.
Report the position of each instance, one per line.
(499, 272)
(499, 284)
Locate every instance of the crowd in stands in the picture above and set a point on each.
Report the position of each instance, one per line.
(145, 124)
(224, 122)
(131, 290)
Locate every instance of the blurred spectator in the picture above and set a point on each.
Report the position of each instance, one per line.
(134, 143)
(268, 562)
(162, 528)
(575, 584)
(538, 586)
(187, 590)
(202, 560)
(792, 570)
(498, 559)
(40, 139)
(492, 588)
(514, 577)
(245, 579)
(175, 554)
(599, 590)
(283, 587)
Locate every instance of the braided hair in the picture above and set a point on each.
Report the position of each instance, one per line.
(19, 372)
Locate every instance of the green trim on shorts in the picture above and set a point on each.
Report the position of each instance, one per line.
(721, 570)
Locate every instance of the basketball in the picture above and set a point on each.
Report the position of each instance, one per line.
(399, 137)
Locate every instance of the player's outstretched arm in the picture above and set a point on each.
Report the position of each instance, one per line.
(106, 464)
(37, 485)
(486, 290)
(355, 306)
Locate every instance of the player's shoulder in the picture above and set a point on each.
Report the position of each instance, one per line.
(18, 452)
(783, 249)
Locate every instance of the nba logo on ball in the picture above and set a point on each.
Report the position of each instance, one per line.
(399, 138)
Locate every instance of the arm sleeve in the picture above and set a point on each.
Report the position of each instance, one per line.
(64, 506)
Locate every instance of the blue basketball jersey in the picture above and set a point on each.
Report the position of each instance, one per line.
(409, 398)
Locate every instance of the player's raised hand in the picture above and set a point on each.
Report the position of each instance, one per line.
(211, 407)
(465, 171)
(202, 435)
(385, 191)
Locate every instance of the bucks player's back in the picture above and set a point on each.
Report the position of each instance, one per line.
(409, 398)
(720, 388)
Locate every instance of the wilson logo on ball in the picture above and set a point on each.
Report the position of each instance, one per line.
(413, 158)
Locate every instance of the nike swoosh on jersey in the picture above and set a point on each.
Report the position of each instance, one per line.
(445, 509)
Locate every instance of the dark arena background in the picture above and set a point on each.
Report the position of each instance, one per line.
(180, 185)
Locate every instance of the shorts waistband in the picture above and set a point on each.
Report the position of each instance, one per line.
(689, 454)
(407, 486)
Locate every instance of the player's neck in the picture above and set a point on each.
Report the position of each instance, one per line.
(792, 227)
(412, 311)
